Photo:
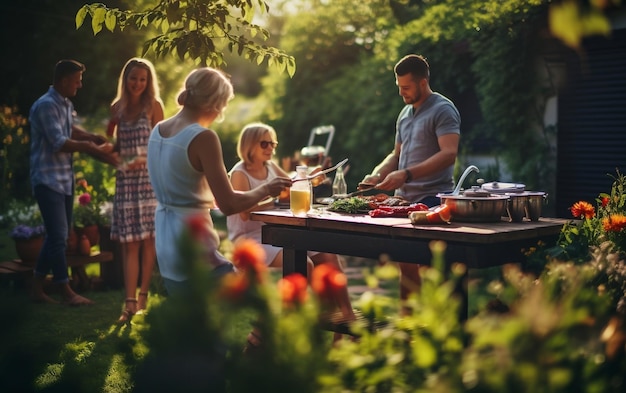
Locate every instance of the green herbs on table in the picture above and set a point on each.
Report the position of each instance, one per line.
(350, 205)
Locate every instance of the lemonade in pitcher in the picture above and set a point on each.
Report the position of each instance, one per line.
(300, 194)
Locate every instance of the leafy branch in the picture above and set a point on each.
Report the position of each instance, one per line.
(196, 30)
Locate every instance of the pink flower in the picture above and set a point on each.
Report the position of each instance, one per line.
(84, 199)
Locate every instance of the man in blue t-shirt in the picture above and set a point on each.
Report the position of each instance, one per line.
(426, 145)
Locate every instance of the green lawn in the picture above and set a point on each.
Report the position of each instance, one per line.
(50, 348)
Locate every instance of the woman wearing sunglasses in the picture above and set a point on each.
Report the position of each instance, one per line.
(256, 167)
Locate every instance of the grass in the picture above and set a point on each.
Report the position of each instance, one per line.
(55, 348)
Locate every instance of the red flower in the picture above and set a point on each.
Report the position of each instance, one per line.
(583, 209)
(327, 282)
(614, 223)
(234, 286)
(293, 289)
(249, 256)
(605, 201)
(198, 227)
(84, 199)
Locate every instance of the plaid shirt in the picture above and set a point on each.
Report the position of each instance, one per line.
(50, 126)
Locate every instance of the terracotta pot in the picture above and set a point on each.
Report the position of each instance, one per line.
(84, 247)
(72, 242)
(92, 232)
(28, 249)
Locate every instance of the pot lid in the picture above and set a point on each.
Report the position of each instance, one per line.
(476, 191)
(500, 187)
(465, 196)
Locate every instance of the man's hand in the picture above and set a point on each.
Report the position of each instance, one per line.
(104, 152)
(392, 181)
(369, 181)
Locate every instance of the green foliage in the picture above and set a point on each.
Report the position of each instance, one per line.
(595, 225)
(551, 338)
(196, 30)
(483, 56)
(14, 148)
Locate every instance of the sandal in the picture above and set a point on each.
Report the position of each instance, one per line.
(142, 304)
(129, 312)
(253, 344)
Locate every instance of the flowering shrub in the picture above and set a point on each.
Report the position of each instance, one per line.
(557, 332)
(24, 220)
(25, 232)
(595, 224)
(90, 206)
(14, 145)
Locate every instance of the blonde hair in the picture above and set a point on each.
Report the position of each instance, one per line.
(206, 89)
(149, 95)
(250, 137)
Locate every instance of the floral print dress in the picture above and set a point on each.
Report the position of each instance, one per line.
(134, 202)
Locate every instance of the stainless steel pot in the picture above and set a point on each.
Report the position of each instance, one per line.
(475, 206)
(536, 200)
(517, 206)
(525, 204)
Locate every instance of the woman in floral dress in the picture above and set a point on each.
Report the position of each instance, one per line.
(135, 110)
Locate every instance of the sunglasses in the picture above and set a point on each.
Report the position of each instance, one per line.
(265, 144)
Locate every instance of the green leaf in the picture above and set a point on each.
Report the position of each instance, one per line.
(97, 19)
(291, 66)
(165, 26)
(110, 20)
(80, 16)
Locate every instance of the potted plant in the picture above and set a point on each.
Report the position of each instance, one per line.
(27, 230)
(87, 218)
(90, 210)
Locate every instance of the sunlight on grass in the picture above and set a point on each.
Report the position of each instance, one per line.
(82, 349)
(50, 376)
(117, 378)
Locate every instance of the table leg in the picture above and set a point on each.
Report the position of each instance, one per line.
(294, 261)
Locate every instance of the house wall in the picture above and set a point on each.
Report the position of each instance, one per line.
(591, 139)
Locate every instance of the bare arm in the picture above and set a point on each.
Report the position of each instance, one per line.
(157, 113)
(388, 165)
(92, 144)
(392, 178)
(240, 182)
(205, 154)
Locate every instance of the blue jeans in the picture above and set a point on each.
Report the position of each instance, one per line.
(56, 211)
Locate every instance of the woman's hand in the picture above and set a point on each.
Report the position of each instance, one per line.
(277, 185)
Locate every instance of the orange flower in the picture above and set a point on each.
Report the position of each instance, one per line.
(293, 289)
(234, 286)
(248, 255)
(614, 223)
(327, 282)
(605, 201)
(583, 209)
(82, 183)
